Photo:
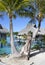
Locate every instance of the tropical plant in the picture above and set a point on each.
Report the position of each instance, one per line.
(24, 36)
(8, 34)
(35, 12)
(38, 10)
(10, 7)
(40, 13)
(37, 47)
(27, 11)
(15, 33)
(3, 41)
(39, 6)
(43, 38)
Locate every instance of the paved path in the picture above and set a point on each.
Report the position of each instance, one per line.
(37, 59)
(2, 63)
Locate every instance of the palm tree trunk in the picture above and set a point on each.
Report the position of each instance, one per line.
(13, 49)
(34, 37)
(35, 33)
(39, 24)
(11, 37)
(28, 56)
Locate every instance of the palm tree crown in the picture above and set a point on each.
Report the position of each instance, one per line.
(11, 7)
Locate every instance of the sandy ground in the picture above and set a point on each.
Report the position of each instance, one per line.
(35, 59)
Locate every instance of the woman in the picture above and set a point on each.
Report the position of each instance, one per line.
(26, 48)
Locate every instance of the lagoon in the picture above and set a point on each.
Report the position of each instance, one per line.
(7, 49)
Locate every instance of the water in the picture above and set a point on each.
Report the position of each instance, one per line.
(7, 49)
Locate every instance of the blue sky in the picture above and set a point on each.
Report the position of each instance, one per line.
(18, 24)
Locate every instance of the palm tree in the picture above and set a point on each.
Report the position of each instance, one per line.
(40, 8)
(28, 11)
(40, 14)
(34, 12)
(40, 4)
(11, 7)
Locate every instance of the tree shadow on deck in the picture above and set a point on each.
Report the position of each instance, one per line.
(35, 53)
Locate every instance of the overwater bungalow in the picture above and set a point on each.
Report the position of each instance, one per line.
(3, 32)
(32, 28)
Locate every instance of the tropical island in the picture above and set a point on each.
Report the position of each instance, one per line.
(27, 46)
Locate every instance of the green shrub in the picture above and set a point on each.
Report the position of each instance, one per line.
(36, 47)
(19, 42)
(3, 41)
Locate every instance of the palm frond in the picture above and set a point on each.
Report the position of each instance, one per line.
(26, 11)
(41, 5)
(2, 6)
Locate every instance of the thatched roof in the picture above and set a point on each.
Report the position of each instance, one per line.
(3, 30)
(32, 28)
